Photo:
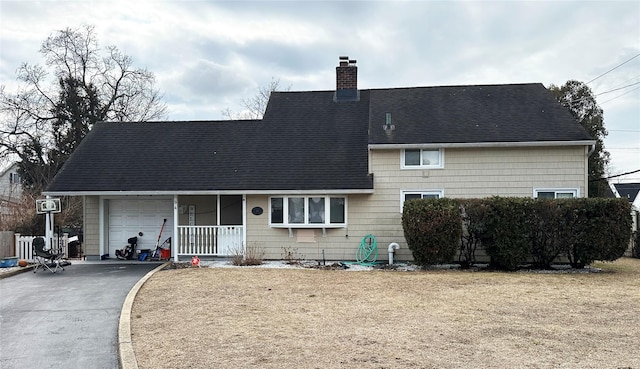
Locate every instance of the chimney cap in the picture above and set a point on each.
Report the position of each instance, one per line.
(344, 58)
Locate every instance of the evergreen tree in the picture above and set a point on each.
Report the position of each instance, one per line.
(581, 102)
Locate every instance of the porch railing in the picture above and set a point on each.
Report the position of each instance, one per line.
(210, 240)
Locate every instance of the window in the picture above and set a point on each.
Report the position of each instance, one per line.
(14, 178)
(555, 193)
(422, 158)
(308, 211)
(426, 194)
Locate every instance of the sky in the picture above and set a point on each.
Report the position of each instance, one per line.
(207, 56)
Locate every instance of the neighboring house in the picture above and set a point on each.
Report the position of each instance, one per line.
(10, 192)
(322, 169)
(631, 192)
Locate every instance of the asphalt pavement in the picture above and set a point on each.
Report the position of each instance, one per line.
(68, 319)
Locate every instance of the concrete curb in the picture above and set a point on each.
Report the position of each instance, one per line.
(126, 355)
(8, 272)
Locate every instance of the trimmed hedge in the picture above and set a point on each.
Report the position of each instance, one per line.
(506, 238)
(474, 218)
(514, 231)
(600, 230)
(432, 229)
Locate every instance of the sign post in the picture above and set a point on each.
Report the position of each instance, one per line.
(48, 207)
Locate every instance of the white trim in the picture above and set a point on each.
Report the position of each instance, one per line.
(244, 222)
(102, 216)
(439, 192)
(210, 192)
(479, 144)
(536, 190)
(440, 164)
(175, 240)
(305, 224)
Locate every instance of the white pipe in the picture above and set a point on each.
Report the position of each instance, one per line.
(391, 249)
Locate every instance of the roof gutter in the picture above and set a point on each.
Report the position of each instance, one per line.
(463, 145)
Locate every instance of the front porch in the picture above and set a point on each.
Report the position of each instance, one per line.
(218, 241)
(204, 225)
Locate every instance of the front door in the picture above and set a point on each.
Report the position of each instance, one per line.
(230, 219)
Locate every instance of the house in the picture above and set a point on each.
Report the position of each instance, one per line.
(322, 169)
(10, 192)
(631, 192)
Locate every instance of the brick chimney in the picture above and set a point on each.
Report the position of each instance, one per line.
(346, 80)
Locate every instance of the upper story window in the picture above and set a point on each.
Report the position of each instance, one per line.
(308, 211)
(422, 158)
(548, 193)
(14, 178)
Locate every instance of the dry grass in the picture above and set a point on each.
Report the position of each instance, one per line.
(301, 318)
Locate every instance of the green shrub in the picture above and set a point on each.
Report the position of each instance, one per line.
(506, 236)
(432, 228)
(601, 230)
(474, 218)
(548, 230)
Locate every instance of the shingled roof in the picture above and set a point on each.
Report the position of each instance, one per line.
(471, 114)
(317, 146)
(307, 141)
(628, 191)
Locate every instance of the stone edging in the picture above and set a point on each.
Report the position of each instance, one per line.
(126, 355)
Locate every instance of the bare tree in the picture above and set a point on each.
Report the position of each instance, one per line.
(255, 106)
(55, 105)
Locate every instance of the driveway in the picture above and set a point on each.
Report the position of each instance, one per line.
(65, 320)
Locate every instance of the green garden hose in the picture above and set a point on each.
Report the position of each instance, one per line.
(368, 251)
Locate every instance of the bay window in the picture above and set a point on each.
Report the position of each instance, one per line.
(308, 211)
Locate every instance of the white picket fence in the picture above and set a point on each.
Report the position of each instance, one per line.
(24, 248)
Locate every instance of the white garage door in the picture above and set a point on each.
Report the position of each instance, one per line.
(127, 218)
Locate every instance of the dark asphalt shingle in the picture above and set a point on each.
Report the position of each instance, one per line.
(307, 141)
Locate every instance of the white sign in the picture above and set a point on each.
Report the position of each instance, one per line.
(44, 206)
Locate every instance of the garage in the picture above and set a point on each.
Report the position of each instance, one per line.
(131, 217)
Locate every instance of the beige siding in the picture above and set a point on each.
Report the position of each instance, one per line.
(337, 243)
(91, 244)
(484, 172)
(469, 173)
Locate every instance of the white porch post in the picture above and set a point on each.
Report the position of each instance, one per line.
(102, 241)
(244, 224)
(176, 239)
(48, 228)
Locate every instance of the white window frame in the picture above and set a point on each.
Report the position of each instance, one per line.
(574, 191)
(15, 178)
(306, 224)
(422, 193)
(440, 165)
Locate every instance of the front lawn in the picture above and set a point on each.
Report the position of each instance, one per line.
(304, 318)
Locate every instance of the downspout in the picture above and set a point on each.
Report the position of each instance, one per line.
(391, 249)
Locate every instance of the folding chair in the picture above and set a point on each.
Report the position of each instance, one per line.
(45, 259)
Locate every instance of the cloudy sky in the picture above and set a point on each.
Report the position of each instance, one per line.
(209, 55)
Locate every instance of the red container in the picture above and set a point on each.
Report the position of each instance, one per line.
(165, 253)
